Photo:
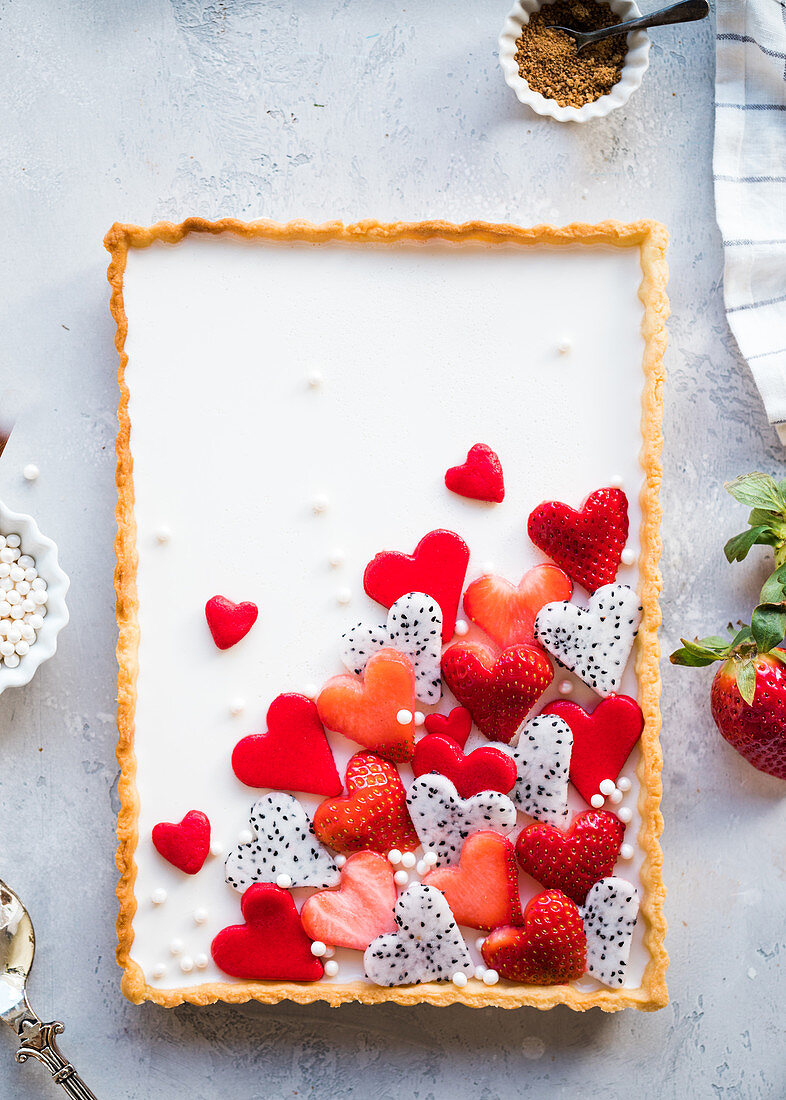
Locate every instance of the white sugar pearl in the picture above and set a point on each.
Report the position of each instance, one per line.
(623, 783)
(461, 628)
(331, 968)
(597, 801)
(159, 971)
(459, 979)
(420, 718)
(245, 836)
(13, 540)
(337, 557)
(479, 972)
(39, 584)
(401, 878)
(26, 562)
(626, 851)
(14, 633)
(237, 706)
(39, 597)
(35, 621)
(5, 569)
(12, 661)
(404, 717)
(22, 648)
(30, 472)
(15, 573)
(311, 691)
(430, 859)
(23, 587)
(6, 584)
(616, 796)
(176, 947)
(318, 948)
(408, 859)
(31, 575)
(216, 848)
(487, 567)
(200, 916)
(158, 897)
(340, 861)
(186, 964)
(565, 346)
(13, 555)
(394, 856)
(479, 942)
(616, 481)
(625, 815)
(284, 881)
(2, 542)
(565, 687)
(421, 867)
(491, 977)
(201, 961)
(13, 597)
(5, 609)
(315, 379)
(344, 596)
(19, 610)
(6, 648)
(628, 556)
(606, 786)
(329, 952)
(320, 503)
(163, 535)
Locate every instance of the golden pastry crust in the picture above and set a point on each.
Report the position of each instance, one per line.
(651, 240)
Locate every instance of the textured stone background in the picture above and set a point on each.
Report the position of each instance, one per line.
(153, 109)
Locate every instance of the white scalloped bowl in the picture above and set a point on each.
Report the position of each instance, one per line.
(636, 62)
(44, 551)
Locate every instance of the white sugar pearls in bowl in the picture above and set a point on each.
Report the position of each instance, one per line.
(33, 589)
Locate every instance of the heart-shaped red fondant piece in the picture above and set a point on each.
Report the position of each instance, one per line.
(437, 567)
(483, 891)
(506, 611)
(485, 769)
(456, 725)
(587, 543)
(480, 477)
(272, 945)
(550, 949)
(499, 692)
(602, 739)
(360, 910)
(374, 815)
(575, 860)
(229, 622)
(185, 844)
(294, 754)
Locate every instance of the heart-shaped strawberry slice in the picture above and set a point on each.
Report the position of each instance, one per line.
(229, 622)
(506, 611)
(272, 945)
(587, 543)
(437, 567)
(360, 910)
(368, 711)
(575, 860)
(480, 477)
(294, 754)
(602, 739)
(185, 844)
(456, 725)
(485, 769)
(375, 813)
(550, 949)
(498, 693)
(483, 891)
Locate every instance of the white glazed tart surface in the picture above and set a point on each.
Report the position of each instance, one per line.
(266, 368)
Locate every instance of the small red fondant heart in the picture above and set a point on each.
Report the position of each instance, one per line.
(602, 739)
(229, 622)
(186, 844)
(575, 860)
(483, 891)
(272, 945)
(360, 910)
(374, 815)
(550, 949)
(437, 567)
(506, 611)
(456, 725)
(480, 477)
(294, 754)
(485, 769)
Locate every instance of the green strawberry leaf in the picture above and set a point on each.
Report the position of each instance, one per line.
(736, 549)
(774, 588)
(779, 655)
(744, 634)
(700, 653)
(768, 624)
(745, 675)
(757, 490)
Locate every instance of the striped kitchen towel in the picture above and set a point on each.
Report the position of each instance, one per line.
(750, 187)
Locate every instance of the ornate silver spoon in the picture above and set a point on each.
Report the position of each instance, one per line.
(685, 12)
(36, 1039)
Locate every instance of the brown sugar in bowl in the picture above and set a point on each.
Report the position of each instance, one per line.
(632, 72)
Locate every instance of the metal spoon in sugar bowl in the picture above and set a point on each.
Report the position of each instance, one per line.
(687, 11)
(36, 1039)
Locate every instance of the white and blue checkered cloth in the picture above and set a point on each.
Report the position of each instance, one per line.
(750, 187)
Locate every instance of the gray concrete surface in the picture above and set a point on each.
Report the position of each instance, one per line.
(154, 109)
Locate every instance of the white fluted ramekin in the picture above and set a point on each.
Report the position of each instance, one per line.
(636, 62)
(44, 551)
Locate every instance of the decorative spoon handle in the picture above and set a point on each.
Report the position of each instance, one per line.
(38, 1041)
(685, 12)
